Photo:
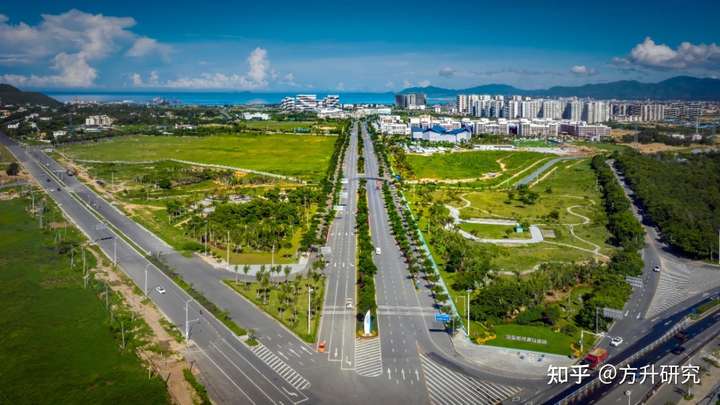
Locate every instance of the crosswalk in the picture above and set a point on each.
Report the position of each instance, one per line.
(672, 289)
(368, 357)
(635, 282)
(280, 367)
(404, 310)
(446, 386)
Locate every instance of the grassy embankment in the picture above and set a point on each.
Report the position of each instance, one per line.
(60, 345)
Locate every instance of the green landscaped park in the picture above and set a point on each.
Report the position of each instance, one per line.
(303, 156)
(287, 301)
(58, 346)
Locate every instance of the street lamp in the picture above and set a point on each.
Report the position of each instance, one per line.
(146, 278)
(310, 290)
(467, 304)
(628, 393)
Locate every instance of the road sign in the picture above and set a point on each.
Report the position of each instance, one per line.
(612, 313)
(440, 317)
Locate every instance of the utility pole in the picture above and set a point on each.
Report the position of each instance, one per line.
(310, 290)
(115, 252)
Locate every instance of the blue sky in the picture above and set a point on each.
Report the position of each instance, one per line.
(351, 45)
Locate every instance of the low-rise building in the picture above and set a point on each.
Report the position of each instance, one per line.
(440, 134)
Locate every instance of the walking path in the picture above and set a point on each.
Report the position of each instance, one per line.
(535, 233)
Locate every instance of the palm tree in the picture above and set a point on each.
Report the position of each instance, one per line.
(286, 270)
(246, 270)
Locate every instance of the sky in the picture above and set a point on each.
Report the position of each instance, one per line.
(344, 46)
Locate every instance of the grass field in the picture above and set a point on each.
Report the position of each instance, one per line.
(306, 157)
(5, 155)
(57, 346)
(468, 165)
(299, 298)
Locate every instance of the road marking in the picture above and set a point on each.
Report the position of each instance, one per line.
(446, 386)
(279, 366)
(225, 374)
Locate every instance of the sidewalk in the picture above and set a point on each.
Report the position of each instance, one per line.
(510, 362)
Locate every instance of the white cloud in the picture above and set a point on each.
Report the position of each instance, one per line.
(650, 54)
(74, 71)
(582, 70)
(406, 84)
(144, 46)
(447, 72)
(255, 78)
(152, 81)
(340, 86)
(424, 83)
(70, 43)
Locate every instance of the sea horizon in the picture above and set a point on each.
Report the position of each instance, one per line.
(212, 98)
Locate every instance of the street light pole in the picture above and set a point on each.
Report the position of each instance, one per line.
(146, 277)
(115, 252)
(187, 320)
(628, 393)
(467, 305)
(310, 290)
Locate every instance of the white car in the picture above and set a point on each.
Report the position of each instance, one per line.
(377, 250)
(656, 269)
(348, 303)
(160, 290)
(616, 341)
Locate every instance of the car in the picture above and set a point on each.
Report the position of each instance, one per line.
(656, 269)
(321, 346)
(616, 341)
(377, 250)
(678, 350)
(681, 336)
(58, 189)
(160, 290)
(348, 303)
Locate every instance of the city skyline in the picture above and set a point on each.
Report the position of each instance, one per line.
(337, 48)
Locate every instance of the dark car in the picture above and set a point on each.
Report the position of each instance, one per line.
(681, 337)
(678, 350)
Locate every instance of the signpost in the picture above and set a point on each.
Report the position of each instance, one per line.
(440, 317)
(612, 313)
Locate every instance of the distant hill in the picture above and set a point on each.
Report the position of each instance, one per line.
(676, 88)
(13, 95)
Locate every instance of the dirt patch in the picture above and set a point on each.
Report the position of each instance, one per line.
(58, 225)
(170, 364)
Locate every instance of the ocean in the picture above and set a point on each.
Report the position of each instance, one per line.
(212, 98)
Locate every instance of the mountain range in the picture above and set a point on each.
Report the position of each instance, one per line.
(13, 95)
(676, 88)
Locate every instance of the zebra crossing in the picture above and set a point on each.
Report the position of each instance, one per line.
(280, 367)
(446, 386)
(672, 289)
(635, 282)
(368, 357)
(397, 310)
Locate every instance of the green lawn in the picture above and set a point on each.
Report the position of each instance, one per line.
(57, 346)
(299, 301)
(294, 155)
(556, 343)
(5, 155)
(468, 165)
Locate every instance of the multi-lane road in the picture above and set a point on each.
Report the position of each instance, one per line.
(412, 359)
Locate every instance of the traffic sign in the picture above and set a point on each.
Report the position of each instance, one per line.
(612, 313)
(440, 317)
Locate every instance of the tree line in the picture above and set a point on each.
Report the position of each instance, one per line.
(680, 194)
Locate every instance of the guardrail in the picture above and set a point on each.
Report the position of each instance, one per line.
(589, 388)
